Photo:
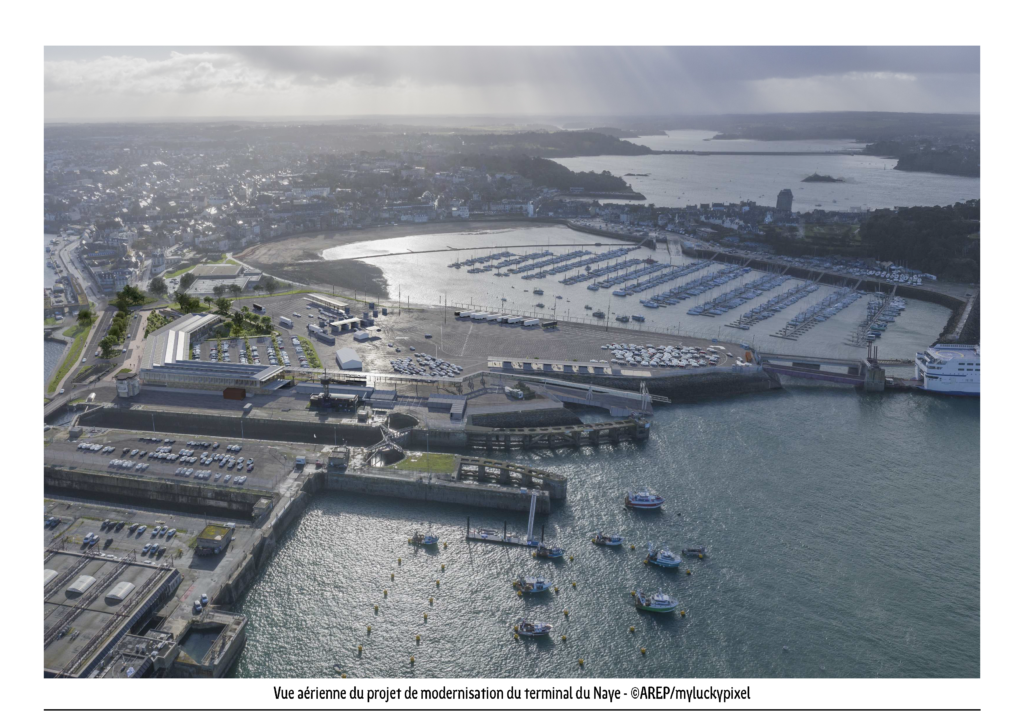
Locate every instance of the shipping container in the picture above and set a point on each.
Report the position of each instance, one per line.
(285, 321)
(531, 323)
(493, 317)
(478, 315)
(515, 320)
(550, 323)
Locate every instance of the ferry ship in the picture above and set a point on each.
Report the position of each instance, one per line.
(950, 369)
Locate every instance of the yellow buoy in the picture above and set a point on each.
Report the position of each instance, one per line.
(445, 545)
(417, 638)
(570, 558)
(424, 617)
(519, 593)
(556, 589)
(565, 611)
(643, 651)
(399, 561)
(385, 593)
(375, 609)
(632, 593)
(431, 599)
(392, 576)
(410, 540)
(438, 582)
(534, 555)
(360, 648)
(632, 629)
(682, 613)
(632, 547)
(581, 662)
(344, 676)
(412, 659)
(689, 572)
(515, 636)
(574, 584)
(368, 629)
(442, 566)
(516, 627)
(701, 556)
(593, 540)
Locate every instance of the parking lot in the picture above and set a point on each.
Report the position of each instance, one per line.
(202, 574)
(218, 462)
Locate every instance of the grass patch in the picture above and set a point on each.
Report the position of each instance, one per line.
(427, 463)
(179, 272)
(155, 321)
(124, 369)
(311, 356)
(70, 358)
(202, 308)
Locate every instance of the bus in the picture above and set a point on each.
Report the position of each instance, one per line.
(258, 308)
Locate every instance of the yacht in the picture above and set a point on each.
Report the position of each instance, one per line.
(657, 603)
(950, 369)
(538, 290)
(644, 499)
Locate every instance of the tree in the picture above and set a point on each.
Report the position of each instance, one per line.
(245, 310)
(219, 290)
(122, 305)
(239, 320)
(85, 317)
(187, 280)
(158, 286)
(224, 306)
(266, 323)
(270, 284)
(235, 289)
(107, 345)
(257, 288)
(208, 300)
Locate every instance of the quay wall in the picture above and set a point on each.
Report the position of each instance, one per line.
(527, 418)
(175, 495)
(685, 387)
(235, 426)
(451, 493)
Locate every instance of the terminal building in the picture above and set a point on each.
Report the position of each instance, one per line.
(167, 361)
(209, 276)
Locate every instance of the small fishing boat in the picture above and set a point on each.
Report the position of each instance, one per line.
(419, 539)
(611, 539)
(532, 628)
(544, 551)
(656, 603)
(664, 558)
(531, 584)
(699, 551)
(644, 499)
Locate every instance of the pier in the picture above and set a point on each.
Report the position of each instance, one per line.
(484, 470)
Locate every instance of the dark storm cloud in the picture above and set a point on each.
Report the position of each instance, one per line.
(526, 80)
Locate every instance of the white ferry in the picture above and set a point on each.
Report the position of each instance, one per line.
(950, 369)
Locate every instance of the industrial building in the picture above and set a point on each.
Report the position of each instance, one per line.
(91, 601)
(209, 276)
(348, 359)
(166, 361)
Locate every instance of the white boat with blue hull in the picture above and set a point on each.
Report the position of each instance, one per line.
(664, 557)
(420, 539)
(656, 603)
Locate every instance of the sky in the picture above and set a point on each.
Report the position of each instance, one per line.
(140, 83)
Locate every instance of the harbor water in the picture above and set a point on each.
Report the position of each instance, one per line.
(843, 534)
(869, 182)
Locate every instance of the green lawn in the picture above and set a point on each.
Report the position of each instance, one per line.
(70, 359)
(311, 356)
(427, 462)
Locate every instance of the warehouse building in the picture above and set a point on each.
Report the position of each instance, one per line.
(348, 359)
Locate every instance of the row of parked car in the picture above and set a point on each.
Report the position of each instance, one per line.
(128, 465)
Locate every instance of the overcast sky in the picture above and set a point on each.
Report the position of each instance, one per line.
(139, 83)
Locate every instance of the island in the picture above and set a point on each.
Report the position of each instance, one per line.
(816, 178)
